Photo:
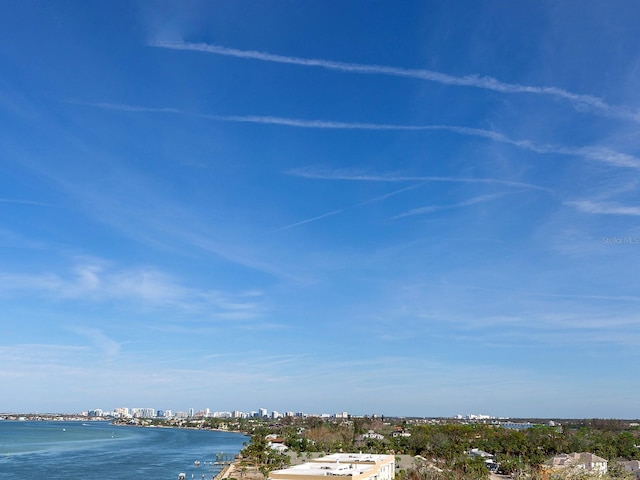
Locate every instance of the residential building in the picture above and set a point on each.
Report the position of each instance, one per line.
(578, 462)
(632, 466)
(489, 461)
(385, 464)
(370, 435)
(121, 412)
(358, 466)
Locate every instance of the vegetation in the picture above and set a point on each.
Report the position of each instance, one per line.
(443, 444)
(260, 455)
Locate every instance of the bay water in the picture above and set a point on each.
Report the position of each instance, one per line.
(53, 450)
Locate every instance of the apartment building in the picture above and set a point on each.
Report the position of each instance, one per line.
(358, 466)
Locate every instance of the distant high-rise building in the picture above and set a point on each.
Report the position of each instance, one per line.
(121, 412)
(191, 412)
(262, 412)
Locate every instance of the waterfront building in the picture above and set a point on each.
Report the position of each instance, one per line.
(148, 412)
(122, 412)
(143, 412)
(358, 466)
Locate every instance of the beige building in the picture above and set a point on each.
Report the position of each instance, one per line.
(578, 462)
(358, 466)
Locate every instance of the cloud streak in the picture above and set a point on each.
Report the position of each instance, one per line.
(308, 220)
(336, 212)
(593, 152)
(99, 339)
(604, 208)
(598, 153)
(392, 178)
(465, 203)
(126, 108)
(144, 287)
(579, 101)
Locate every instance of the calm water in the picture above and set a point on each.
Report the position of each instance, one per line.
(101, 451)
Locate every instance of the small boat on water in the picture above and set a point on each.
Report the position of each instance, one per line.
(182, 476)
(197, 463)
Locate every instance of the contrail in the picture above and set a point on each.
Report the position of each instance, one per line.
(599, 153)
(579, 101)
(391, 178)
(604, 208)
(465, 203)
(602, 154)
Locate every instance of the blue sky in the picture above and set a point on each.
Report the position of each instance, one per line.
(402, 208)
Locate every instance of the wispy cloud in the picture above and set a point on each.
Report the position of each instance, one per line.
(336, 212)
(466, 203)
(145, 287)
(126, 108)
(415, 211)
(599, 153)
(98, 338)
(309, 220)
(605, 208)
(148, 216)
(355, 175)
(579, 101)
(592, 152)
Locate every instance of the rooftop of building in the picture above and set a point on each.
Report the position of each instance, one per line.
(325, 469)
(355, 458)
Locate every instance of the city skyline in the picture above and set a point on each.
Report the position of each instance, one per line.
(415, 207)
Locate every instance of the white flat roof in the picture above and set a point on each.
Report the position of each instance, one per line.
(324, 469)
(354, 457)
